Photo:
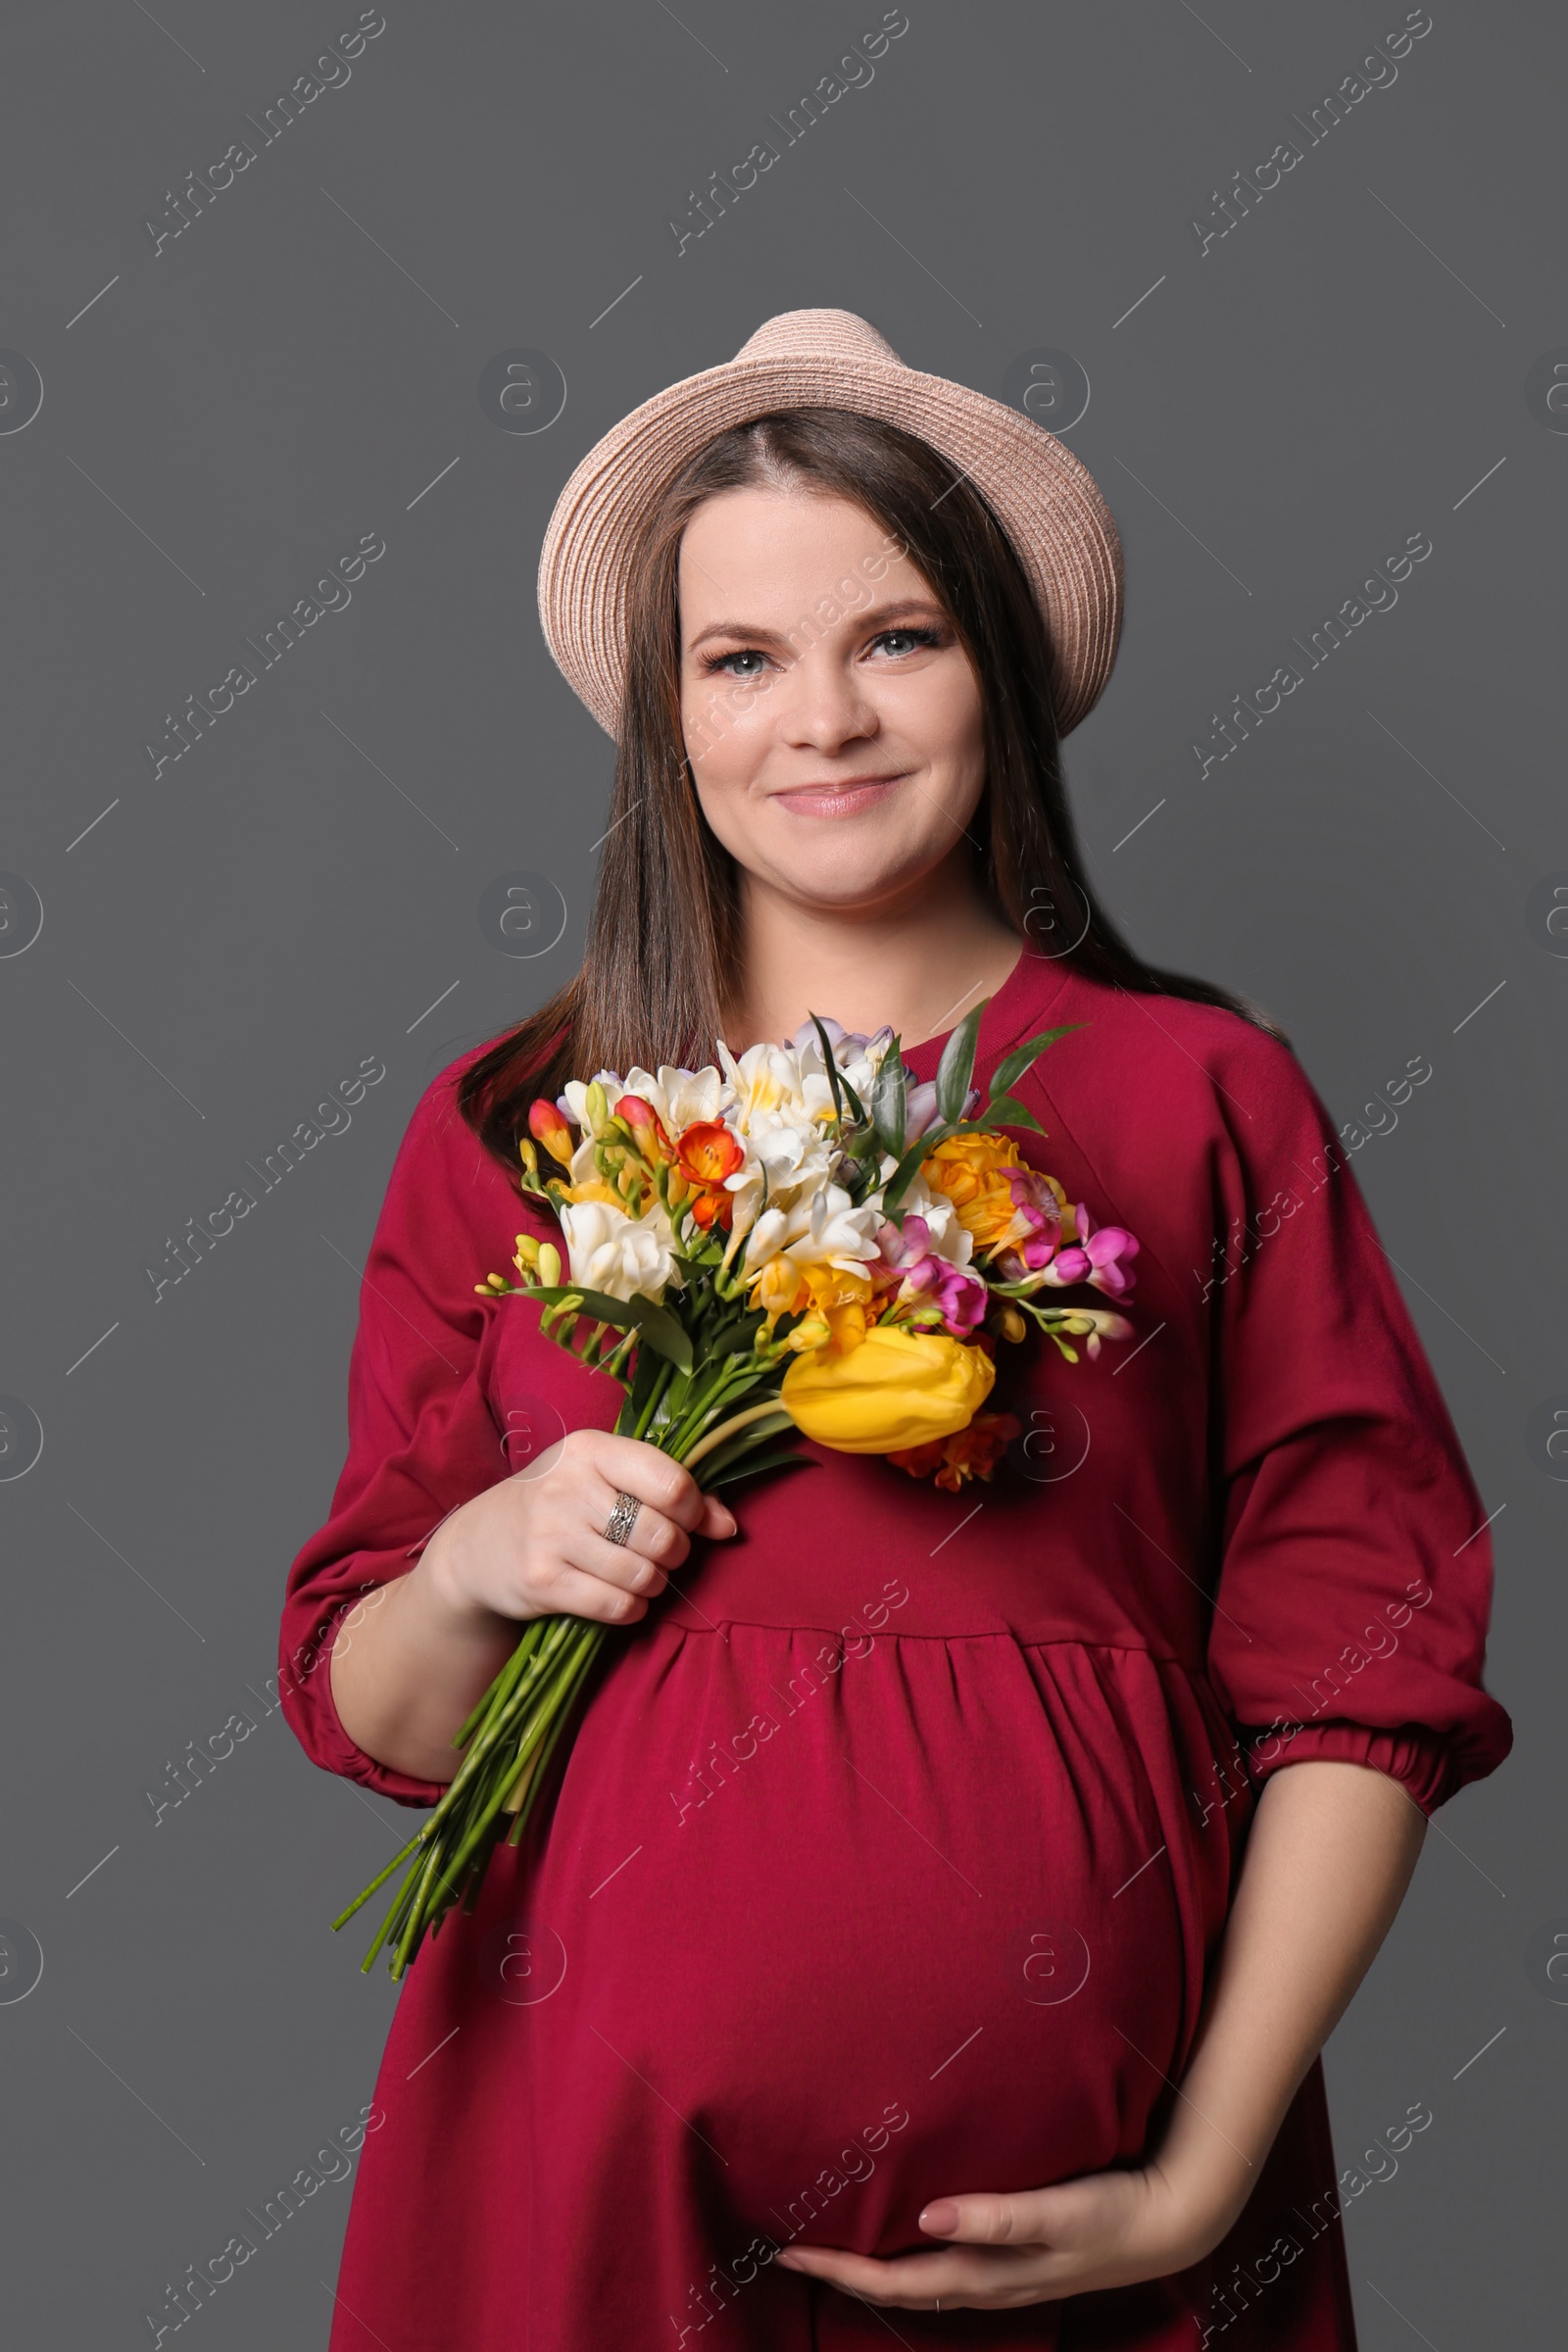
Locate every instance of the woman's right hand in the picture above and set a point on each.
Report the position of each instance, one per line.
(534, 1546)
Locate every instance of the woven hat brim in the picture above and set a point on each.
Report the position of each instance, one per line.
(1044, 496)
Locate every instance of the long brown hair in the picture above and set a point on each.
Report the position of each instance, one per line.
(665, 923)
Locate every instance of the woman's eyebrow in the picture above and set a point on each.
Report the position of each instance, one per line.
(755, 634)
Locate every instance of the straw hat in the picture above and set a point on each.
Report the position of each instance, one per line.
(1041, 494)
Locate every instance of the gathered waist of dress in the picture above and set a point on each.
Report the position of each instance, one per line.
(854, 1585)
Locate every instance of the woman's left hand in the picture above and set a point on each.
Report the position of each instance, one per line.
(1103, 2229)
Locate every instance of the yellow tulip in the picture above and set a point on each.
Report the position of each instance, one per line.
(891, 1389)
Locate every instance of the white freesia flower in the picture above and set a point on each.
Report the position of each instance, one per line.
(948, 1238)
(787, 1161)
(681, 1097)
(764, 1084)
(856, 1056)
(583, 1167)
(793, 1153)
(824, 1227)
(778, 1103)
(624, 1257)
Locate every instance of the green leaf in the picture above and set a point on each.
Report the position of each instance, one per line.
(835, 1076)
(1005, 1111)
(903, 1174)
(888, 1105)
(1006, 1074)
(957, 1066)
(854, 1100)
(651, 1321)
(749, 1465)
(734, 1336)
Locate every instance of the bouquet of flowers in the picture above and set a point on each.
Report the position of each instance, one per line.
(798, 1241)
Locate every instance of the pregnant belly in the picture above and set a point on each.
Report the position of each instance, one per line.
(836, 1929)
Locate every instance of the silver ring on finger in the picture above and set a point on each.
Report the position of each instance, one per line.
(622, 1518)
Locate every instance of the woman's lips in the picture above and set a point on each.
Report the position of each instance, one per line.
(846, 798)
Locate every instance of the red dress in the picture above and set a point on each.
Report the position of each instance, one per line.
(897, 1837)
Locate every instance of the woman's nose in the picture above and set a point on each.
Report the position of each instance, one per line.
(822, 705)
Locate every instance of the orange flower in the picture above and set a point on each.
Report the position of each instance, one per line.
(973, 1172)
(704, 1155)
(547, 1126)
(968, 1168)
(971, 1452)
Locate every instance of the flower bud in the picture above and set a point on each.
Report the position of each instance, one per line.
(547, 1126)
(549, 1265)
(777, 1286)
(644, 1126)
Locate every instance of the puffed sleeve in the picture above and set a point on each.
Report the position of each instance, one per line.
(422, 1435)
(1356, 1576)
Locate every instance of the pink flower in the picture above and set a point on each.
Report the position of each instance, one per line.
(963, 1296)
(909, 1264)
(1039, 1214)
(900, 1243)
(1096, 1258)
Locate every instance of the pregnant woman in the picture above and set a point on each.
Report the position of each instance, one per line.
(930, 1931)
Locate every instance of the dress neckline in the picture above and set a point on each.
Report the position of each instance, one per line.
(1035, 986)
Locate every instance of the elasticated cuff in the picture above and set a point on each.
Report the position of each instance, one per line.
(311, 1712)
(1419, 1759)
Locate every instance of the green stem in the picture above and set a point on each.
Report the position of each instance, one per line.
(590, 1651)
(660, 1383)
(503, 1711)
(382, 1877)
(702, 1402)
(726, 1429)
(499, 1705)
(453, 1841)
(527, 1644)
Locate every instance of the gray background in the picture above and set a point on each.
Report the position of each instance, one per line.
(228, 941)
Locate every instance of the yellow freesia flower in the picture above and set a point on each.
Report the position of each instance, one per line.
(834, 1326)
(537, 1261)
(824, 1293)
(891, 1389)
(834, 1299)
(777, 1287)
(593, 1188)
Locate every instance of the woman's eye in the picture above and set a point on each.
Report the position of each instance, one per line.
(902, 641)
(723, 661)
